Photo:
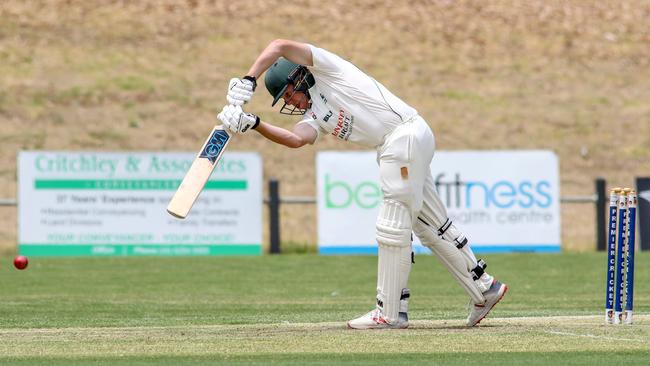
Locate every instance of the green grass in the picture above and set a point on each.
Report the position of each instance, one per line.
(291, 309)
(326, 359)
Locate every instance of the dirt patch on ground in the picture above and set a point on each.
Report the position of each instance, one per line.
(530, 334)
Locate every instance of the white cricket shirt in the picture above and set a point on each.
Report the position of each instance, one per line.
(350, 105)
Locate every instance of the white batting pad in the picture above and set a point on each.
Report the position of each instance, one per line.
(450, 257)
(394, 265)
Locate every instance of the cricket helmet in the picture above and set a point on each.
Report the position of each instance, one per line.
(284, 72)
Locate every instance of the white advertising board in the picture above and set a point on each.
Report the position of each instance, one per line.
(114, 203)
(503, 201)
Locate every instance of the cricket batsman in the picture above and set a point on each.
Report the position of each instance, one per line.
(333, 96)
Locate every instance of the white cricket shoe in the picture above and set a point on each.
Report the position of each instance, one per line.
(492, 296)
(375, 320)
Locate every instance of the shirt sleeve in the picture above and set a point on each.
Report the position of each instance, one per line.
(308, 119)
(325, 61)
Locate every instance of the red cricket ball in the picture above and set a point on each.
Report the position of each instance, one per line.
(20, 262)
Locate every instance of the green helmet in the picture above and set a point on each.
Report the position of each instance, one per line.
(284, 72)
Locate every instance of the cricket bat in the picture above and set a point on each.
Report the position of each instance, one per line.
(199, 172)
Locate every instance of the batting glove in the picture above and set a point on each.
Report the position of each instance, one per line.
(236, 121)
(240, 91)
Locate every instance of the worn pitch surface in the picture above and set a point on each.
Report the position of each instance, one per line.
(292, 309)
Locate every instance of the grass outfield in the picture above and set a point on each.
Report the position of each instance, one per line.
(292, 309)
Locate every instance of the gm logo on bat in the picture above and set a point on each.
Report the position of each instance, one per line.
(215, 145)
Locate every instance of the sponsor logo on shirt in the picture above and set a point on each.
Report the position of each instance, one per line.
(343, 127)
(327, 116)
(313, 115)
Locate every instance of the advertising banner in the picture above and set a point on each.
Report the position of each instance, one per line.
(503, 201)
(114, 203)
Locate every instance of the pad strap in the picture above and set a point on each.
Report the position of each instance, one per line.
(460, 243)
(406, 293)
(444, 227)
(478, 271)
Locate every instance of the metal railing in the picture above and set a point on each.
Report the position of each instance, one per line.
(8, 202)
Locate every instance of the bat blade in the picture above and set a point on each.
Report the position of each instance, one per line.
(199, 173)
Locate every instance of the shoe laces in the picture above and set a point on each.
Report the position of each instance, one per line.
(377, 316)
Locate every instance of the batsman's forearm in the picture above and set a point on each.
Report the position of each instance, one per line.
(297, 52)
(265, 60)
(279, 135)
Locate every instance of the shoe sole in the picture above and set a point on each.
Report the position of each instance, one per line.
(375, 328)
(492, 307)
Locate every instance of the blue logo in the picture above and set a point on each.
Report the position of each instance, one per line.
(215, 145)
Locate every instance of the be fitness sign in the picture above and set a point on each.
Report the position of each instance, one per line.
(97, 203)
(503, 201)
